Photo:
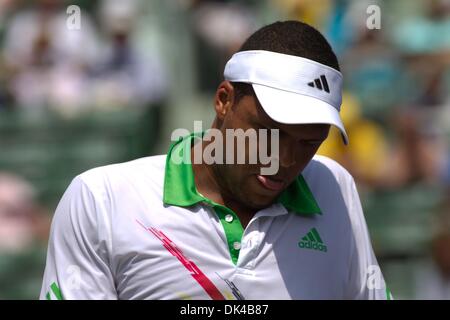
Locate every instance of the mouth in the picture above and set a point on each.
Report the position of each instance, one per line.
(271, 183)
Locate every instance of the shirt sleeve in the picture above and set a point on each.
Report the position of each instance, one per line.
(77, 265)
(366, 281)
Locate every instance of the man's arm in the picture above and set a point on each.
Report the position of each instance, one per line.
(77, 264)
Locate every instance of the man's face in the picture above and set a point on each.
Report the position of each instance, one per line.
(297, 145)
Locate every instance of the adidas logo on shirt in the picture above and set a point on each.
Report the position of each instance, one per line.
(313, 241)
(320, 83)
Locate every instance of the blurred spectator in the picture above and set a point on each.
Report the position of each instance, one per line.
(220, 27)
(125, 75)
(47, 62)
(420, 125)
(372, 68)
(313, 12)
(7, 8)
(339, 31)
(426, 32)
(24, 231)
(6, 100)
(415, 154)
(366, 157)
(419, 150)
(23, 223)
(433, 279)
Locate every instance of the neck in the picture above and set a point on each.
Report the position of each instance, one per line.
(209, 183)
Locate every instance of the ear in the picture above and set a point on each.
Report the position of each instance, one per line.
(224, 99)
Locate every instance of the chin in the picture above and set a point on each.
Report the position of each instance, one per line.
(259, 201)
(255, 197)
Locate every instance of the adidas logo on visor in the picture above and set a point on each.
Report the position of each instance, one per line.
(320, 83)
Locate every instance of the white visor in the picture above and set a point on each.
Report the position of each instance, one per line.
(291, 90)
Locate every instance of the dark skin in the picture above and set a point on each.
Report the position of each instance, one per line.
(236, 186)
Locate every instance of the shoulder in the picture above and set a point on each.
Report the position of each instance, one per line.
(142, 170)
(102, 188)
(322, 170)
(333, 187)
(92, 196)
(146, 165)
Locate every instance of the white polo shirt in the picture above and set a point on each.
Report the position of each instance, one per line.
(140, 230)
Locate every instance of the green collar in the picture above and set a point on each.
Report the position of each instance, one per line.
(180, 190)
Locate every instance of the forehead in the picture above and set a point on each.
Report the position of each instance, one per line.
(253, 112)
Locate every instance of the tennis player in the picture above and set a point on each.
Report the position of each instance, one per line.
(156, 228)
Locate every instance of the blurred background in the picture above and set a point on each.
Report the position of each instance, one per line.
(115, 88)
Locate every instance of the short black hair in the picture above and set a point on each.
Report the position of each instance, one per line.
(291, 37)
